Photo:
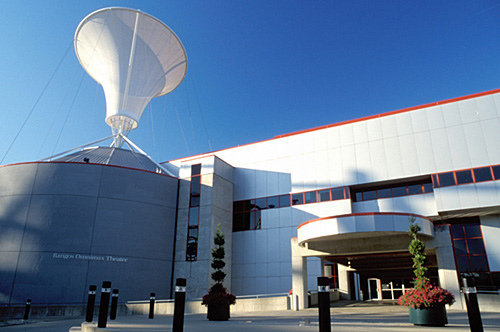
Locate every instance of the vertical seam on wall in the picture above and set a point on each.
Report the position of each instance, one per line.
(22, 239)
(93, 230)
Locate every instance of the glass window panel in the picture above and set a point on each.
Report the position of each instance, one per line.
(475, 247)
(347, 194)
(482, 174)
(457, 231)
(239, 221)
(496, 172)
(384, 193)
(479, 263)
(195, 169)
(255, 221)
(338, 193)
(428, 188)
(310, 197)
(415, 189)
(284, 200)
(273, 202)
(359, 197)
(297, 199)
(463, 264)
(370, 194)
(193, 232)
(446, 179)
(195, 201)
(464, 176)
(238, 206)
(434, 180)
(473, 230)
(324, 195)
(195, 185)
(241, 206)
(399, 191)
(261, 203)
(460, 248)
(193, 216)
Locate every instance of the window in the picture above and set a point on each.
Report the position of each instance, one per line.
(384, 193)
(369, 195)
(324, 195)
(446, 179)
(194, 213)
(273, 202)
(261, 203)
(337, 193)
(399, 191)
(464, 176)
(297, 199)
(415, 189)
(284, 200)
(310, 197)
(482, 174)
(468, 245)
(247, 214)
(496, 172)
(376, 191)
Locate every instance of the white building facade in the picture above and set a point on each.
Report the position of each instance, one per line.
(337, 200)
(332, 201)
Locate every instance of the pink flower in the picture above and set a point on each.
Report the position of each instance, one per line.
(425, 295)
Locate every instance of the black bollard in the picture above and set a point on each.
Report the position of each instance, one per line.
(152, 305)
(104, 305)
(470, 294)
(114, 304)
(91, 303)
(180, 301)
(27, 309)
(324, 304)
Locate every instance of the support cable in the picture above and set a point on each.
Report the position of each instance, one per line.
(37, 101)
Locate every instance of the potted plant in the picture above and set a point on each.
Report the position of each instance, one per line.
(426, 301)
(218, 299)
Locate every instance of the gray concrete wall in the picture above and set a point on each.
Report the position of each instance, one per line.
(64, 226)
(242, 305)
(216, 207)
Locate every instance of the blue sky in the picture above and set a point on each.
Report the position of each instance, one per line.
(256, 69)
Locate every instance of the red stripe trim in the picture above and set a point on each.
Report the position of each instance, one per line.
(82, 163)
(443, 102)
(365, 214)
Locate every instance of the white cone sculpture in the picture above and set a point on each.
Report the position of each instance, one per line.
(134, 56)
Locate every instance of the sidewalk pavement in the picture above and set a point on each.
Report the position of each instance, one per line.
(344, 319)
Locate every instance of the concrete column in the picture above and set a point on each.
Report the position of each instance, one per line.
(299, 278)
(447, 269)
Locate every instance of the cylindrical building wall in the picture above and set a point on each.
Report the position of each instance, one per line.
(65, 226)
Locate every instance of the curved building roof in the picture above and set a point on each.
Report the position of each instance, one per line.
(113, 156)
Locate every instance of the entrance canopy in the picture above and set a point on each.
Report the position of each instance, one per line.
(360, 233)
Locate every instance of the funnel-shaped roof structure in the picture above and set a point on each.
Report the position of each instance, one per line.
(134, 56)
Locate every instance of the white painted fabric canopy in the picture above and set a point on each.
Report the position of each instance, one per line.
(134, 56)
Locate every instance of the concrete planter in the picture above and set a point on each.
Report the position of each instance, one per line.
(435, 316)
(218, 312)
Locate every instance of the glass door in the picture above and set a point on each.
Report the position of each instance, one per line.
(374, 289)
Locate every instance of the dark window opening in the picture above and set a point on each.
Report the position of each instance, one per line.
(464, 176)
(297, 199)
(482, 174)
(446, 179)
(379, 191)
